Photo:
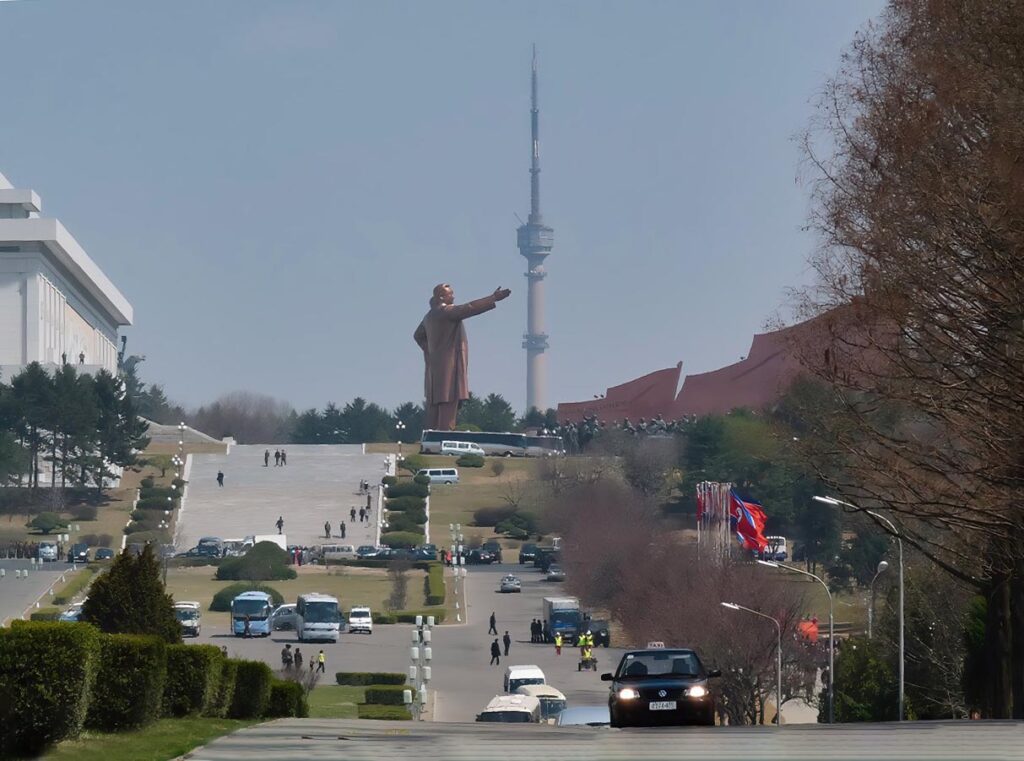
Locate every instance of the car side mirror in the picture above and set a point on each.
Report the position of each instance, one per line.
(714, 673)
(606, 677)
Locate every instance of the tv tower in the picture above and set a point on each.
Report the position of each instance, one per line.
(535, 240)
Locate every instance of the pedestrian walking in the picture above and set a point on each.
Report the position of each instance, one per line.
(284, 458)
(280, 524)
(266, 458)
(321, 663)
(495, 653)
(362, 514)
(246, 626)
(368, 496)
(327, 529)
(545, 633)
(352, 515)
(341, 528)
(507, 642)
(494, 625)
(558, 643)
(277, 457)
(298, 660)
(220, 478)
(533, 631)
(286, 657)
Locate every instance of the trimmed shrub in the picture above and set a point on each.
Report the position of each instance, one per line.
(45, 614)
(518, 522)
(413, 463)
(470, 461)
(97, 540)
(76, 584)
(193, 679)
(389, 480)
(143, 538)
(385, 695)
(497, 467)
(47, 671)
(405, 503)
(409, 616)
(387, 713)
(364, 678)
(83, 512)
(401, 539)
(492, 516)
(265, 562)
(156, 503)
(47, 522)
(179, 482)
(221, 602)
(252, 690)
(434, 588)
(421, 565)
(407, 489)
(129, 683)
(221, 705)
(158, 492)
(422, 479)
(404, 522)
(147, 482)
(287, 698)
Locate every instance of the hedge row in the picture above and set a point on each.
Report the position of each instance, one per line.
(129, 684)
(253, 680)
(387, 713)
(408, 616)
(45, 614)
(194, 676)
(158, 492)
(385, 695)
(407, 489)
(434, 587)
(406, 523)
(364, 678)
(153, 503)
(395, 504)
(266, 561)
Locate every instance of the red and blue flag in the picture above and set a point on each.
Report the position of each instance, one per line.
(748, 521)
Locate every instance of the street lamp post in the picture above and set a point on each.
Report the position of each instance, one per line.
(831, 632)
(899, 543)
(882, 567)
(400, 427)
(778, 655)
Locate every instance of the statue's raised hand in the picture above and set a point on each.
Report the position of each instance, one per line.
(501, 293)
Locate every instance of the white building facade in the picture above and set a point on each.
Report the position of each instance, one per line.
(56, 305)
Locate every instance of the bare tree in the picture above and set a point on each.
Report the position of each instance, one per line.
(249, 417)
(398, 573)
(918, 201)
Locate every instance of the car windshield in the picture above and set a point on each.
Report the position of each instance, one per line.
(186, 614)
(251, 608)
(359, 614)
(321, 613)
(511, 717)
(551, 707)
(664, 663)
(514, 684)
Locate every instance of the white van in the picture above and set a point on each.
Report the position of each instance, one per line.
(517, 676)
(440, 475)
(48, 551)
(552, 701)
(511, 709)
(337, 552)
(458, 448)
(188, 615)
(360, 619)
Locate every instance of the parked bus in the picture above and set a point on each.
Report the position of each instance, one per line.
(317, 617)
(544, 446)
(494, 444)
(257, 606)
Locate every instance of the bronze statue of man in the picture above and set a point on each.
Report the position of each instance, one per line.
(442, 337)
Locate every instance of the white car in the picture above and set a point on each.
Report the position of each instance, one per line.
(511, 584)
(72, 614)
(360, 619)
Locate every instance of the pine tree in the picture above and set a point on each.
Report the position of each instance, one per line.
(131, 599)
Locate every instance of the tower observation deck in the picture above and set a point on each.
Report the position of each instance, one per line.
(535, 240)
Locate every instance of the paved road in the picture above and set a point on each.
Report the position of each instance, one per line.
(18, 594)
(320, 483)
(311, 739)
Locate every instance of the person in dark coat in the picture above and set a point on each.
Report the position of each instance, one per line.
(342, 529)
(220, 478)
(266, 458)
(494, 625)
(495, 653)
(507, 642)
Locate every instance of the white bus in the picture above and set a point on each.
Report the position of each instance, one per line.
(317, 617)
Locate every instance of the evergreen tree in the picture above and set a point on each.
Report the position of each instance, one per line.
(411, 415)
(32, 394)
(121, 432)
(131, 599)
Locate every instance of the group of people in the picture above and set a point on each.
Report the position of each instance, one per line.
(539, 632)
(506, 640)
(364, 515)
(577, 436)
(280, 458)
(342, 530)
(293, 658)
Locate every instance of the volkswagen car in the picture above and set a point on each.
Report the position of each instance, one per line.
(510, 583)
(661, 686)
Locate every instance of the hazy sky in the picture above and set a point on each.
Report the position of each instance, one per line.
(276, 186)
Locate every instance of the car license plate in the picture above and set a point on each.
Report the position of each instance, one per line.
(663, 705)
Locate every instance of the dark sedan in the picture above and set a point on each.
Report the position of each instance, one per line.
(661, 687)
(480, 557)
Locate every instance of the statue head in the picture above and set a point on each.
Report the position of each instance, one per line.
(443, 294)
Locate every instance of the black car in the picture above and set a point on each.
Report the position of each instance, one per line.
(104, 553)
(79, 553)
(480, 557)
(494, 548)
(661, 687)
(527, 553)
(599, 629)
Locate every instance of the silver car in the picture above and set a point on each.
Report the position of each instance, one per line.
(511, 584)
(283, 617)
(555, 573)
(584, 716)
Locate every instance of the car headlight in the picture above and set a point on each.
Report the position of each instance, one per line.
(628, 693)
(697, 691)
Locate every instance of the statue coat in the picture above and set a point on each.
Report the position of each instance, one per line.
(442, 338)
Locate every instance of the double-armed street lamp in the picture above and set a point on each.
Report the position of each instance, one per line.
(899, 543)
(778, 654)
(831, 631)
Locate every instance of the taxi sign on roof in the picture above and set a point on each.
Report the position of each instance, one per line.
(656, 645)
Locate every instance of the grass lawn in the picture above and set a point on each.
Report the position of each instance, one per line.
(335, 701)
(110, 519)
(165, 739)
(352, 586)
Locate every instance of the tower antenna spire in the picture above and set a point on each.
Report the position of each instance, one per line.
(535, 146)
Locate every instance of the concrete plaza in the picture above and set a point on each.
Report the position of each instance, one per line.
(319, 483)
